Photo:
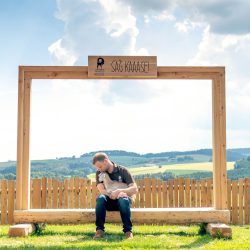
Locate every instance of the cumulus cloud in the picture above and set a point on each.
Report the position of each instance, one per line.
(223, 16)
(233, 52)
(75, 120)
(187, 25)
(168, 114)
(61, 54)
(94, 27)
(149, 6)
(143, 116)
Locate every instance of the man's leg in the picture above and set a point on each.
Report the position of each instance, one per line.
(124, 204)
(100, 211)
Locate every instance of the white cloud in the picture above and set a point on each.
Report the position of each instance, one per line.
(187, 25)
(74, 119)
(8, 131)
(186, 124)
(233, 52)
(223, 16)
(94, 27)
(149, 6)
(62, 55)
(238, 138)
(164, 15)
(141, 116)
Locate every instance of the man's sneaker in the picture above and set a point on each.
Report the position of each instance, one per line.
(128, 235)
(98, 234)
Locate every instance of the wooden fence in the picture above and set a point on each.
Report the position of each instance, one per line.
(81, 193)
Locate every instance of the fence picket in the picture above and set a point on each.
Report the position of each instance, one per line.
(247, 200)
(141, 190)
(4, 201)
(170, 191)
(44, 192)
(193, 193)
(165, 194)
(187, 192)
(241, 197)
(11, 199)
(36, 193)
(147, 185)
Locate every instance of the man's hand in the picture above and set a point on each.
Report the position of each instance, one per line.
(114, 194)
(122, 194)
(102, 189)
(132, 189)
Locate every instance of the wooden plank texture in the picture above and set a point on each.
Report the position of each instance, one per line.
(145, 215)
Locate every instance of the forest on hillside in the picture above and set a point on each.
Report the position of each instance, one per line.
(64, 167)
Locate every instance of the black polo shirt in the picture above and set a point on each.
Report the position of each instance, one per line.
(119, 173)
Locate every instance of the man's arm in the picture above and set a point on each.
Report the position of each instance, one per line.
(130, 190)
(102, 189)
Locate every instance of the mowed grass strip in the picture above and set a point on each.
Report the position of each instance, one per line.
(201, 166)
(145, 237)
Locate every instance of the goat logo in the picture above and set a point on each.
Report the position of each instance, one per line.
(100, 62)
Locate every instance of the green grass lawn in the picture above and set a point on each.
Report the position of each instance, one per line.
(145, 237)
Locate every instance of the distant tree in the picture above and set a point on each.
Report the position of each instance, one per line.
(10, 176)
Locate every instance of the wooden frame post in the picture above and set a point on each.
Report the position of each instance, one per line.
(26, 145)
(23, 142)
(19, 161)
(219, 141)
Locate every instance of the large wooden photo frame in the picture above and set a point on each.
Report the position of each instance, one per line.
(218, 212)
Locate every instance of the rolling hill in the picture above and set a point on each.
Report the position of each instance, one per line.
(178, 162)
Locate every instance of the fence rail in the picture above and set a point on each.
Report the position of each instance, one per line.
(79, 192)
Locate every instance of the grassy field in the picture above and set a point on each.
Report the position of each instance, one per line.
(178, 169)
(145, 237)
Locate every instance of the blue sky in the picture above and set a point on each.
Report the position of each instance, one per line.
(72, 117)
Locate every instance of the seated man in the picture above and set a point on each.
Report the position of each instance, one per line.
(117, 200)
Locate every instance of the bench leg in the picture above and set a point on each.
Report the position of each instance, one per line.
(25, 229)
(219, 230)
(21, 230)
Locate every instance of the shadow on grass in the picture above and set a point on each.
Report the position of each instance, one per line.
(74, 233)
(178, 233)
(112, 234)
(116, 243)
(199, 242)
(116, 238)
(82, 235)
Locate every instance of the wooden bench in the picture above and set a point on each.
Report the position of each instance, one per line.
(139, 215)
(214, 218)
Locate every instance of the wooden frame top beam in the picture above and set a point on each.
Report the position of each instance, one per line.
(81, 72)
